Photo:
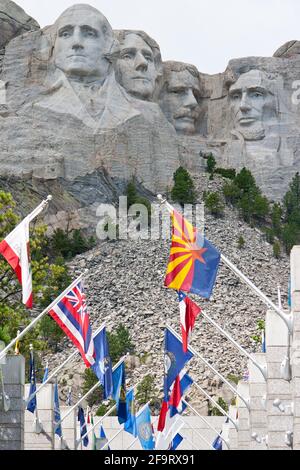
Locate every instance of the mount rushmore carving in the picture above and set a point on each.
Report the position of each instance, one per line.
(79, 99)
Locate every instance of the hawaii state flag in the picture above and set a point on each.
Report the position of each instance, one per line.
(194, 261)
(71, 314)
(15, 249)
(188, 314)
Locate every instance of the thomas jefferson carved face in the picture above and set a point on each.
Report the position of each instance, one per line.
(179, 100)
(252, 103)
(83, 37)
(136, 68)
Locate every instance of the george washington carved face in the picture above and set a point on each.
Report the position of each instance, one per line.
(83, 37)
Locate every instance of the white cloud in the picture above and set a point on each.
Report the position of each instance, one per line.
(206, 33)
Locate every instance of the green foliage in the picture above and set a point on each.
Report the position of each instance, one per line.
(213, 203)
(269, 234)
(290, 235)
(183, 190)
(210, 163)
(260, 326)
(146, 391)
(104, 407)
(276, 249)
(49, 279)
(234, 378)
(276, 216)
(67, 245)
(90, 379)
(232, 193)
(131, 194)
(214, 411)
(226, 173)
(119, 343)
(243, 193)
(241, 242)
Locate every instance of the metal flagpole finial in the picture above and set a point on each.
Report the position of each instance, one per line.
(161, 199)
(49, 198)
(31, 347)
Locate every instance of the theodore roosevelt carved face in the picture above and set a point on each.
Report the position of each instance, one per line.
(252, 104)
(83, 39)
(180, 96)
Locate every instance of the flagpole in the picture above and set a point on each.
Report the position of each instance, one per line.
(140, 411)
(288, 319)
(108, 412)
(32, 324)
(263, 369)
(216, 404)
(88, 393)
(197, 432)
(206, 422)
(193, 351)
(51, 376)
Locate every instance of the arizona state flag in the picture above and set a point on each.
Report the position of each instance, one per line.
(194, 261)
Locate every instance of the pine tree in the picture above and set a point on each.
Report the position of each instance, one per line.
(183, 190)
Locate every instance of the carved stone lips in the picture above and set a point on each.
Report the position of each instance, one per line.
(247, 120)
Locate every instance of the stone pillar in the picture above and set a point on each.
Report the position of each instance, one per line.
(258, 391)
(68, 428)
(12, 421)
(243, 435)
(232, 432)
(277, 388)
(44, 440)
(295, 356)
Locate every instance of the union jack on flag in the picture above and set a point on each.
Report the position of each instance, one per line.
(71, 314)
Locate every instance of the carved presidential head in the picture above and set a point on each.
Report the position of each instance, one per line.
(253, 102)
(180, 96)
(139, 64)
(82, 44)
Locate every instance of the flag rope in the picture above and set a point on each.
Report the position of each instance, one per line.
(288, 319)
(216, 404)
(98, 384)
(32, 324)
(54, 373)
(206, 422)
(193, 351)
(108, 412)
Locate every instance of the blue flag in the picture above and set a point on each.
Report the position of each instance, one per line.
(130, 425)
(144, 429)
(83, 429)
(103, 438)
(175, 360)
(46, 373)
(57, 428)
(32, 404)
(69, 397)
(217, 444)
(263, 342)
(103, 366)
(176, 441)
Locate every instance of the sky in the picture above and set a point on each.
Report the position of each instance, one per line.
(206, 33)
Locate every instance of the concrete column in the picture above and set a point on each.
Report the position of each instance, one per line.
(12, 421)
(258, 411)
(232, 432)
(277, 388)
(243, 435)
(44, 440)
(295, 355)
